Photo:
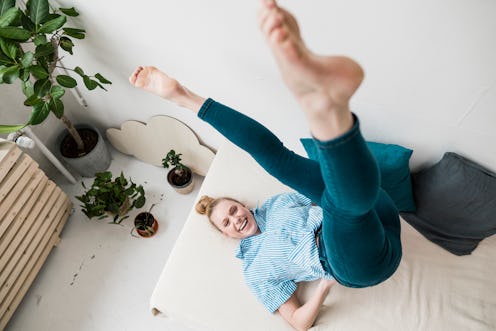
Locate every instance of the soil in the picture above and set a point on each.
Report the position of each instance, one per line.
(144, 218)
(181, 178)
(68, 146)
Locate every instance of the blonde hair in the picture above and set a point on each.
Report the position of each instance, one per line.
(206, 205)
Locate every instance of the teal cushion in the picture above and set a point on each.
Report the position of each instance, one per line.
(395, 172)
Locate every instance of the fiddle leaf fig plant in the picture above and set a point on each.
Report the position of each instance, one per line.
(31, 38)
(115, 197)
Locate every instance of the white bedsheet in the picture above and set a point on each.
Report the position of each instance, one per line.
(202, 284)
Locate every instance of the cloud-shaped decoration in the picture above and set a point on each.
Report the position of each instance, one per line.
(150, 142)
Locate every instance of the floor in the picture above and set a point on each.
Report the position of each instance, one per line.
(100, 277)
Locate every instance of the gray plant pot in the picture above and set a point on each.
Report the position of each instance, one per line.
(97, 160)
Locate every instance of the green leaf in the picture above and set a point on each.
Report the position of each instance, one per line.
(38, 11)
(9, 48)
(24, 74)
(50, 17)
(39, 114)
(15, 33)
(27, 23)
(38, 71)
(40, 40)
(57, 107)
(6, 5)
(11, 128)
(66, 81)
(100, 85)
(75, 33)
(10, 74)
(90, 84)
(4, 60)
(79, 71)
(27, 59)
(66, 44)
(102, 79)
(27, 88)
(69, 11)
(106, 176)
(32, 100)
(42, 86)
(44, 50)
(2, 71)
(140, 202)
(53, 24)
(9, 16)
(57, 92)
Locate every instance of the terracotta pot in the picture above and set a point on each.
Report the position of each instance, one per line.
(149, 221)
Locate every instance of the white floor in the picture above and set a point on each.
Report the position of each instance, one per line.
(100, 277)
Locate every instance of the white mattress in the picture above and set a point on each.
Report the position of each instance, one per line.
(202, 284)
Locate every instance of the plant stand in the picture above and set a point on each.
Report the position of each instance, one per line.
(33, 212)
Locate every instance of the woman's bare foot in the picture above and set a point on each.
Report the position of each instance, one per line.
(323, 85)
(155, 81)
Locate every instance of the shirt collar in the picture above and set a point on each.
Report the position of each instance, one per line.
(244, 245)
(259, 214)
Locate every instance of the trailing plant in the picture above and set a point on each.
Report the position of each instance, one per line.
(30, 41)
(111, 196)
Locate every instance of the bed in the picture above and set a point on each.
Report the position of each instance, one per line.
(202, 284)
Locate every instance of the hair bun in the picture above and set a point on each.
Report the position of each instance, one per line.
(203, 204)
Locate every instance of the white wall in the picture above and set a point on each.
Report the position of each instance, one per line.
(430, 69)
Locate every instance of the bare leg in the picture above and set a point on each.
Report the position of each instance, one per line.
(322, 85)
(155, 81)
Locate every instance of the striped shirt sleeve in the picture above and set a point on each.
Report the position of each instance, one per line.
(271, 295)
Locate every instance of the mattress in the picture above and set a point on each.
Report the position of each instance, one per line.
(202, 284)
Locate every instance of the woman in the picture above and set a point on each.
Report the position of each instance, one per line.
(354, 230)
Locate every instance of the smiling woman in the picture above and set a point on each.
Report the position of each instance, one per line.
(229, 216)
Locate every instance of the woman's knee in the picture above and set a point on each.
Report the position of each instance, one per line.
(367, 274)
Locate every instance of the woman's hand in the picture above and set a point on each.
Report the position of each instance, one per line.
(302, 316)
(326, 284)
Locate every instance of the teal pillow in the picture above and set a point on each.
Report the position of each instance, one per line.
(393, 164)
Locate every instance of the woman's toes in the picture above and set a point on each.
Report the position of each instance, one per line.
(279, 35)
(273, 21)
(135, 74)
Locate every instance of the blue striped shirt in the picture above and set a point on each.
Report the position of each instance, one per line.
(285, 252)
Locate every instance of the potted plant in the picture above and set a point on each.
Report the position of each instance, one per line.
(111, 197)
(30, 44)
(145, 224)
(180, 177)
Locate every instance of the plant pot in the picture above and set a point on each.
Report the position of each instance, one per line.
(96, 157)
(145, 220)
(183, 186)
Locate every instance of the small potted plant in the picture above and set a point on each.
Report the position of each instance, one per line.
(180, 177)
(111, 197)
(145, 224)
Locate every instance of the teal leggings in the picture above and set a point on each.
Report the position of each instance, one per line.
(360, 226)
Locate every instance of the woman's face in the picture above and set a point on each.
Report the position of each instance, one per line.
(234, 220)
